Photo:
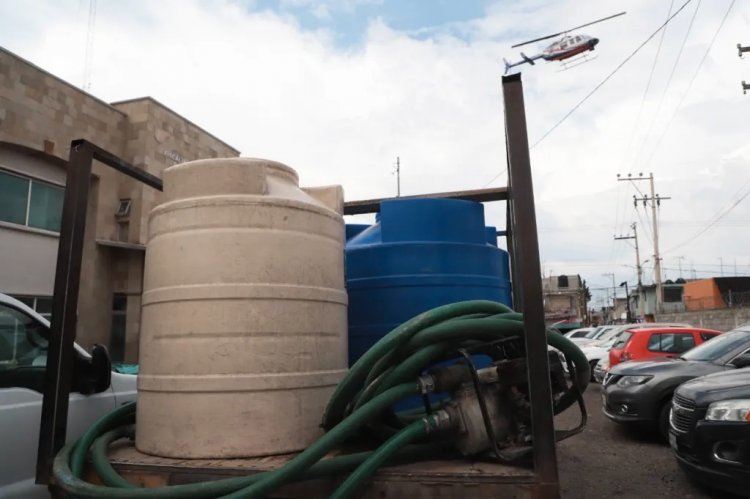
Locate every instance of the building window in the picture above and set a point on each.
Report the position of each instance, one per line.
(29, 202)
(562, 281)
(14, 192)
(672, 294)
(117, 333)
(41, 304)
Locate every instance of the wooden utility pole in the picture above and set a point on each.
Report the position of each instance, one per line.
(655, 201)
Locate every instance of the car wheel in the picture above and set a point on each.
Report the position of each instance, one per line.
(593, 364)
(664, 419)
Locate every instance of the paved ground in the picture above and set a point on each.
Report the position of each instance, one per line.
(608, 461)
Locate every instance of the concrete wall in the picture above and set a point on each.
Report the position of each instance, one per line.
(702, 295)
(723, 320)
(41, 114)
(550, 283)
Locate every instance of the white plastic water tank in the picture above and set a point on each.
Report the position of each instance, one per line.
(243, 331)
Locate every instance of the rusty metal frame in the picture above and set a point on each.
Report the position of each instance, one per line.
(478, 195)
(60, 357)
(523, 246)
(524, 251)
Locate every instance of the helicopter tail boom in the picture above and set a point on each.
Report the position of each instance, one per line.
(525, 59)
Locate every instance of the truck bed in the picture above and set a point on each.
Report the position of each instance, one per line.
(444, 479)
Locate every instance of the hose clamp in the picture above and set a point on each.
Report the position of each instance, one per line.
(438, 421)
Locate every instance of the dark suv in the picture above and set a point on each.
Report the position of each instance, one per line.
(641, 392)
(710, 429)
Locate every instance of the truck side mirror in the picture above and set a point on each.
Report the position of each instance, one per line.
(94, 375)
(741, 361)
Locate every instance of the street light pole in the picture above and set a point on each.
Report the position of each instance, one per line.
(628, 315)
(614, 292)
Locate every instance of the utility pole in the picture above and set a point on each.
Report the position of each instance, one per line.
(655, 201)
(614, 292)
(679, 263)
(741, 49)
(398, 177)
(637, 266)
(721, 263)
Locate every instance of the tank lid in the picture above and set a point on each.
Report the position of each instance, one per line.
(444, 220)
(223, 176)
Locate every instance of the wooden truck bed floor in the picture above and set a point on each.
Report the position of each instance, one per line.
(444, 479)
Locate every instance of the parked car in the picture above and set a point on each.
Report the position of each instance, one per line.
(601, 370)
(579, 333)
(594, 352)
(24, 338)
(597, 350)
(641, 392)
(710, 429)
(595, 335)
(649, 343)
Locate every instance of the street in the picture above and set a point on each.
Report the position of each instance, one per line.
(607, 460)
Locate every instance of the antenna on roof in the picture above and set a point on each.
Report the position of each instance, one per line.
(89, 55)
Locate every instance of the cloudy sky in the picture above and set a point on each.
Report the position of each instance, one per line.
(338, 89)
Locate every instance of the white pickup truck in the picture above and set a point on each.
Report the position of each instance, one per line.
(23, 357)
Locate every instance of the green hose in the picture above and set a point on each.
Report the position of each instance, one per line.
(415, 431)
(390, 343)
(102, 466)
(327, 442)
(253, 486)
(383, 376)
(207, 490)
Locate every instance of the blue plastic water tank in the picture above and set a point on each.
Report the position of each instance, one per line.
(421, 253)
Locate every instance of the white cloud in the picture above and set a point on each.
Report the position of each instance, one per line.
(339, 115)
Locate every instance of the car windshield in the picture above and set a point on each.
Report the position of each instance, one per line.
(610, 342)
(622, 339)
(593, 332)
(719, 346)
(601, 335)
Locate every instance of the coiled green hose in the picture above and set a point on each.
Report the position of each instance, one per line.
(384, 375)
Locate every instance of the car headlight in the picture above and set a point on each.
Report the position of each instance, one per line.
(627, 381)
(729, 410)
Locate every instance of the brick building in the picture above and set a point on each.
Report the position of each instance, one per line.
(564, 299)
(39, 116)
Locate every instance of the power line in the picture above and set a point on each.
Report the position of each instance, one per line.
(495, 177)
(669, 81)
(648, 86)
(610, 75)
(690, 85)
(638, 116)
(719, 216)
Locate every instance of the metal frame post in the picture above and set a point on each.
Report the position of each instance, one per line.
(526, 255)
(60, 356)
(57, 378)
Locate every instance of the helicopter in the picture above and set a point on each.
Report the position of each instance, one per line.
(566, 47)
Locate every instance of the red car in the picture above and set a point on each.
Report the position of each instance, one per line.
(647, 343)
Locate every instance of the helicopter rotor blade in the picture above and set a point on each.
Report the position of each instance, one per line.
(538, 39)
(568, 30)
(598, 21)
